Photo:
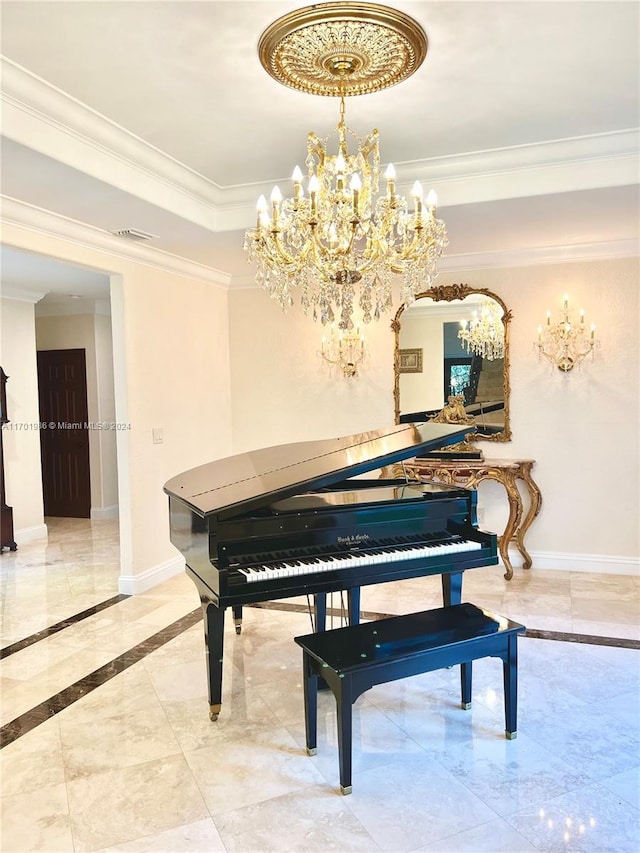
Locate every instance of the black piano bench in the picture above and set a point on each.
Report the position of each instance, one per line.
(353, 659)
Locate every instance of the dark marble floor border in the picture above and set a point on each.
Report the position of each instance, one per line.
(52, 706)
(19, 645)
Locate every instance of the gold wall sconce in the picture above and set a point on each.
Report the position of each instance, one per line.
(344, 349)
(565, 344)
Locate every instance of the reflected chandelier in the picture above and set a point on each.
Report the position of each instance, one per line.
(340, 233)
(483, 335)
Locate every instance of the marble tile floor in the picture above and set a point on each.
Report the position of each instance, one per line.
(131, 762)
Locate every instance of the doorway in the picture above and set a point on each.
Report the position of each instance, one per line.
(64, 433)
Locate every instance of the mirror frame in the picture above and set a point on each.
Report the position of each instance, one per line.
(447, 293)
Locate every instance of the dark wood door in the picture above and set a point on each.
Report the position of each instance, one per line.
(64, 432)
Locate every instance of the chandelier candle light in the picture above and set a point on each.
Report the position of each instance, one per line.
(564, 343)
(484, 333)
(344, 349)
(340, 232)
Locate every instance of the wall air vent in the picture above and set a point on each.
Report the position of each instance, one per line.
(134, 234)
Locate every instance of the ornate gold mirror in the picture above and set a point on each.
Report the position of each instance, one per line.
(451, 360)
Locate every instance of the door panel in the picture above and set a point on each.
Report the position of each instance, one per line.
(64, 433)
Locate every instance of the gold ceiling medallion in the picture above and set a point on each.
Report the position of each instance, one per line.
(340, 234)
(343, 48)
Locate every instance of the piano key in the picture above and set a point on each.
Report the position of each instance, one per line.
(280, 569)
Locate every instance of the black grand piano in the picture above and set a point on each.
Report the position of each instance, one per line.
(288, 520)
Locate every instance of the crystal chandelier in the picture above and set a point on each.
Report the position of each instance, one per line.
(340, 239)
(344, 349)
(483, 335)
(564, 343)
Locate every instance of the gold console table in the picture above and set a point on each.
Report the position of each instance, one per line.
(460, 472)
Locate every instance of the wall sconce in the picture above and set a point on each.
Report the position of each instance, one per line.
(345, 349)
(564, 343)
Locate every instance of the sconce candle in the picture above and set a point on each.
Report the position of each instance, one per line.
(564, 344)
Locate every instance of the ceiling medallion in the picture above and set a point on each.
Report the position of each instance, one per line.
(339, 235)
(342, 49)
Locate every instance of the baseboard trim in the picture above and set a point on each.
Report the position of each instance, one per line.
(602, 564)
(134, 584)
(101, 512)
(30, 534)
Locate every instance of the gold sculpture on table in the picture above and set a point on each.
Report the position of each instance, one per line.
(454, 412)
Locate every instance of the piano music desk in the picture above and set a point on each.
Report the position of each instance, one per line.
(508, 472)
(353, 659)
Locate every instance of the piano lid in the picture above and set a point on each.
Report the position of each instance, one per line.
(237, 484)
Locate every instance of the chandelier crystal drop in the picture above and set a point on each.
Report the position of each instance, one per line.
(483, 335)
(339, 241)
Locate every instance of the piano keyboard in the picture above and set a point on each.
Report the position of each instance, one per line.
(350, 559)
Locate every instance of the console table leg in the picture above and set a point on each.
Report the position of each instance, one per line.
(535, 502)
(515, 514)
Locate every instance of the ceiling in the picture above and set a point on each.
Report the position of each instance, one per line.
(158, 116)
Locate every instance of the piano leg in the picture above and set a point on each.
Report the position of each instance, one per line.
(237, 617)
(320, 611)
(213, 639)
(353, 605)
(452, 588)
(320, 608)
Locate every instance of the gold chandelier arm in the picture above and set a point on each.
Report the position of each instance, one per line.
(282, 255)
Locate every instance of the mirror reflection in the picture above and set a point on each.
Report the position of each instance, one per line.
(451, 360)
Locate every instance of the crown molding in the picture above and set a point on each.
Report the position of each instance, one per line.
(22, 215)
(44, 118)
(20, 293)
(540, 256)
(73, 307)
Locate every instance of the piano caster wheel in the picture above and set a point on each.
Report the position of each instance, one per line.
(347, 790)
(214, 711)
(238, 629)
(312, 750)
(511, 735)
(465, 705)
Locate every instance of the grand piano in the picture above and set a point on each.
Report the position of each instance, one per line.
(303, 519)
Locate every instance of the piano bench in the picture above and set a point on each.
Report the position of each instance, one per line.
(355, 658)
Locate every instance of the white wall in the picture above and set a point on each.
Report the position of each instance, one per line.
(21, 438)
(573, 425)
(106, 411)
(282, 389)
(171, 348)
